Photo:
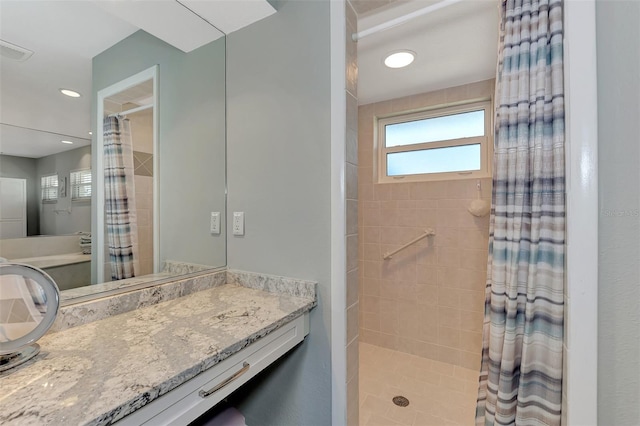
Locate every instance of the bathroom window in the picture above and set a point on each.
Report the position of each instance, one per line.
(81, 185)
(49, 188)
(452, 142)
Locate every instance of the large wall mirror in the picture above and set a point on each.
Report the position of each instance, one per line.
(94, 215)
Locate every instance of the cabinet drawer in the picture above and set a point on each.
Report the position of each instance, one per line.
(193, 398)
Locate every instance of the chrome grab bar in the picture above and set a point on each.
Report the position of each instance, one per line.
(244, 369)
(427, 232)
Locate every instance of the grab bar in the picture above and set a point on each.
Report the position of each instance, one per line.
(427, 232)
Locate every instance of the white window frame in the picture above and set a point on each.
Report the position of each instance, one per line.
(48, 187)
(77, 185)
(485, 142)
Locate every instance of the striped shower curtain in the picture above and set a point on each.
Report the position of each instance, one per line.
(521, 372)
(120, 205)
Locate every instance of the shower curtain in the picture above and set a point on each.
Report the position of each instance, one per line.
(521, 373)
(120, 205)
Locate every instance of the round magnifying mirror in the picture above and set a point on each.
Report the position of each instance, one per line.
(29, 301)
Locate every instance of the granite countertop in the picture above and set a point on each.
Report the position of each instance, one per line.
(98, 372)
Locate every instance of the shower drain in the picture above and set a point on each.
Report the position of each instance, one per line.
(400, 401)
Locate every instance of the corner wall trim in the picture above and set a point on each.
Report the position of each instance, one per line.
(580, 390)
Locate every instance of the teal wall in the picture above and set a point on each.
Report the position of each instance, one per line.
(79, 220)
(191, 138)
(278, 95)
(618, 50)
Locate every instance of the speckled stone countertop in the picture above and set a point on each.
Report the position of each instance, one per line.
(99, 372)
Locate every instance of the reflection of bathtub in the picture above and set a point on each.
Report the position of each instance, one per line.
(68, 270)
(54, 260)
(59, 255)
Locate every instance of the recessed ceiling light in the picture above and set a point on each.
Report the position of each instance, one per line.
(91, 133)
(399, 59)
(70, 93)
(67, 142)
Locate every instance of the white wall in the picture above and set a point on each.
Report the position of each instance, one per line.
(618, 46)
(278, 144)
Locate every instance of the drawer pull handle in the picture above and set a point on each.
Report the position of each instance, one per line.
(244, 369)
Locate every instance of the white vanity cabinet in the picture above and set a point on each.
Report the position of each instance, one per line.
(190, 400)
(163, 364)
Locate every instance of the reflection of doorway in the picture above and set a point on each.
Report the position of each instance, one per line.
(132, 101)
(13, 208)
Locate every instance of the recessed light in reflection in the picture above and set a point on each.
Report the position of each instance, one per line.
(70, 93)
(400, 59)
(67, 142)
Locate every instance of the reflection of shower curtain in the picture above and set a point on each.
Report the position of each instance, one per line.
(521, 373)
(120, 205)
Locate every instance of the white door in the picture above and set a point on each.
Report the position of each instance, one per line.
(13, 208)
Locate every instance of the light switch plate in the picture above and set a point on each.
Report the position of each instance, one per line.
(215, 222)
(238, 223)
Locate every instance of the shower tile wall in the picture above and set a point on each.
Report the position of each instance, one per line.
(144, 207)
(142, 137)
(351, 167)
(427, 300)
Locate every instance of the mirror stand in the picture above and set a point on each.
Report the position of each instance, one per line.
(29, 302)
(9, 361)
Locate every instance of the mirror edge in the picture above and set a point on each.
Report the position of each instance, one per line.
(137, 287)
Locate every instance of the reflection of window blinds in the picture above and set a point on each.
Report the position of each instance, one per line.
(81, 184)
(49, 187)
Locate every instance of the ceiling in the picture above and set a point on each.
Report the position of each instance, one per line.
(362, 7)
(65, 35)
(58, 33)
(138, 95)
(455, 45)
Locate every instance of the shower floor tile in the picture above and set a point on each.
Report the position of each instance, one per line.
(438, 393)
